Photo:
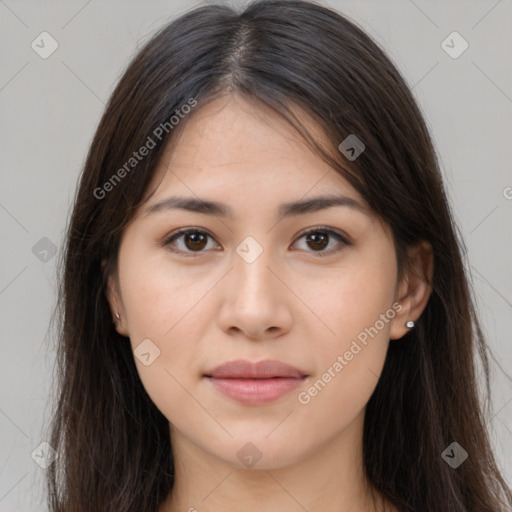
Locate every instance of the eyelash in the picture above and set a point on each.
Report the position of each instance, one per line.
(344, 242)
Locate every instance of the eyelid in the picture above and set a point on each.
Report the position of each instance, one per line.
(325, 229)
(182, 231)
(342, 238)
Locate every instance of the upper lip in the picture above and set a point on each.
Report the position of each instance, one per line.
(243, 369)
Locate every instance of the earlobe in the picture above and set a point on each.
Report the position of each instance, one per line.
(115, 303)
(414, 289)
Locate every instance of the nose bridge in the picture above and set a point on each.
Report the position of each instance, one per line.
(252, 302)
(253, 279)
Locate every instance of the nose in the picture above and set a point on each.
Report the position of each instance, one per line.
(255, 300)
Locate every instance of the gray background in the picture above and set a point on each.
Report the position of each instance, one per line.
(49, 109)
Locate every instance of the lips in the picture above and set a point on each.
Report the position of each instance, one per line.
(242, 369)
(253, 383)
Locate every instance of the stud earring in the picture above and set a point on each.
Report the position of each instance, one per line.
(118, 317)
(410, 324)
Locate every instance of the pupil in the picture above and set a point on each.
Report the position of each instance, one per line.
(196, 239)
(318, 238)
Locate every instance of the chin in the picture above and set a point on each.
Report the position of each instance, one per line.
(255, 452)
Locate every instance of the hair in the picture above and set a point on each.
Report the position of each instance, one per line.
(289, 56)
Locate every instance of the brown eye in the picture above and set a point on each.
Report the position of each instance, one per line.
(195, 241)
(191, 241)
(319, 238)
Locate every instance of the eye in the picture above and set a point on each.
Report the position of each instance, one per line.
(196, 241)
(193, 240)
(319, 238)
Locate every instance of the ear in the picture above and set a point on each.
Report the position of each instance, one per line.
(414, 288)
(113, 297)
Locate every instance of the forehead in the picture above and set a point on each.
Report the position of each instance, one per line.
(232, 145)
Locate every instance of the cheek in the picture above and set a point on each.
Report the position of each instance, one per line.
(162, 310)
(353, 297)
(173, 330)
(159, 300)
(357, 307)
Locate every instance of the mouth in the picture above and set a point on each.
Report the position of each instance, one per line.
(255, 383)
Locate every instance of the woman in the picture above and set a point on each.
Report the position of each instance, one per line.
(264, 303)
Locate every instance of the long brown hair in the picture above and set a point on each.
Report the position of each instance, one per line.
(113, 443)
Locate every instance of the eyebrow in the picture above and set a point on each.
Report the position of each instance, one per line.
(206, 207)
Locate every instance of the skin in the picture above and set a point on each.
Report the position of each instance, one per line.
(289, 304)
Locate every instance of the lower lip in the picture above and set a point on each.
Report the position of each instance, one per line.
(256, 391)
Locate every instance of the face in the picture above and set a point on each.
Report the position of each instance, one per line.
(314, 288)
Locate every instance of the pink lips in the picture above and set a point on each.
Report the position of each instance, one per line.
(255, 383)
